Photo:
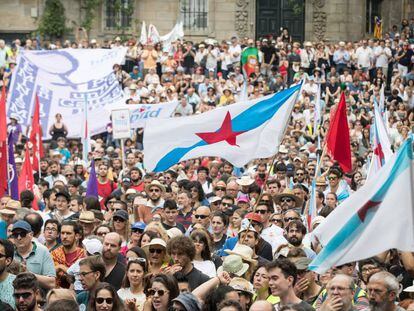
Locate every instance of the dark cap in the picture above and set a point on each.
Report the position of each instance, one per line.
(126, 180)
(23, 225)
(189, 301)
(63, 193)
(121, 214)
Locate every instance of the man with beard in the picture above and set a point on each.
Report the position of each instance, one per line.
(54, 174)
(69, 252)
(6, 279)
(295, 232)
(383, 289)
(115, 270)
(155, 191)
(341, 290)
(49, 198)
(136, 179)
(26, 289)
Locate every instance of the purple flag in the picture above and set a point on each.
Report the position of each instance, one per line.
(92, 186)
(13, 178)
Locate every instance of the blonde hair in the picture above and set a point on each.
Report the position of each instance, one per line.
(156, 226)
(61, 293)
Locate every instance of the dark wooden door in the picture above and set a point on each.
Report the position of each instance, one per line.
(272, 15)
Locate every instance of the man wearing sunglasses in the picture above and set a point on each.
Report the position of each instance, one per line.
(26, 288)
(34, 257)
(155, 191)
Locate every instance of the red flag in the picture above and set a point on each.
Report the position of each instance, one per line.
(36, 136)
(3, 143)
(26, 179)
(338, 142)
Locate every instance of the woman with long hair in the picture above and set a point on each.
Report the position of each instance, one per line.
(202, 260)
(162, 290)
(133, 285)
(120, 224)
(197, 193)
(157, 255)
(260, 281)
(105, 298)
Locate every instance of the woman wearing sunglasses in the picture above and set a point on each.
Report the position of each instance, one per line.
(132, 290)
(156, 254)
(120, 224)
(104, 298)
(162, 290)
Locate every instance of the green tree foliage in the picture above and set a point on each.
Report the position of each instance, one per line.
(53, 20)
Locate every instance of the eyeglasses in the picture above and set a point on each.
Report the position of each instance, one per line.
(261, 211)
(111, 202)
(155, 250)
(200, 216)
(287, 200)
(83, 274)
(159, 292)
(51, 229)
(219, 189)
(136, 259)
(21, 234)
(137, 230)
(118, 219)
(101, 300)
(22, 295)
(102, 233)
(287, 219)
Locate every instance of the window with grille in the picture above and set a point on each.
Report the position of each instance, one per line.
(118, 13)
(194, 14)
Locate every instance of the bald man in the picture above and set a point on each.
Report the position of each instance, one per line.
(115, 270)
(261, 305)
(201, 217)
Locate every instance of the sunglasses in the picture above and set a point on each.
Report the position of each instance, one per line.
(137, 259)
(290, 219)
(277, 220)
(159, 292)
(220, 189)
(137, 230)
(155, 250)
(288, 200)
(200, 216)
(22, 295)
(226, 204)
(100, 300)
(22, 234)
(118, 219)
(262, 211)
(154, 190)
(332, 177)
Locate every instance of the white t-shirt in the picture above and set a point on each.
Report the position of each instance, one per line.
(206, 266)
(233, 49)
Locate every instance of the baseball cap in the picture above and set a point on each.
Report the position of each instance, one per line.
(121, 214)
(23, 225)
(93, 246)
(139, 225)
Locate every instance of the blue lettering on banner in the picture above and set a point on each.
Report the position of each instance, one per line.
(20, 101)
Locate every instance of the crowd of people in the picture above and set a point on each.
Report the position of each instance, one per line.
(205, 235)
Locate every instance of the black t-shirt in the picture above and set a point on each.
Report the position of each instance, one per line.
(177, 225)
(188, 59)
(218, 245)
(265, 250)
(116, 276)
(196, 278)
(406, 60)
(268, 52)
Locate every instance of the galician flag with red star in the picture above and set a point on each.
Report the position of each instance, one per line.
(238, 133)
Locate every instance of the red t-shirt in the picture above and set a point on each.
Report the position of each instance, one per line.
(104, 190)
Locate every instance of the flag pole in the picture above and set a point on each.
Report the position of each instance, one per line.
(271, 165)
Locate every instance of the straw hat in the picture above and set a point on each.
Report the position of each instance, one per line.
(244, 251)
(155, 183)
(288, 193)
(245, 181)
(243, 285)
(233, 264)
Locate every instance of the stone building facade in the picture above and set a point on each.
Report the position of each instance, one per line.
(219, 19)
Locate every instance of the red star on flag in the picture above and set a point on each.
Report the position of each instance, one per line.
(225, 133)
(142, 109)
